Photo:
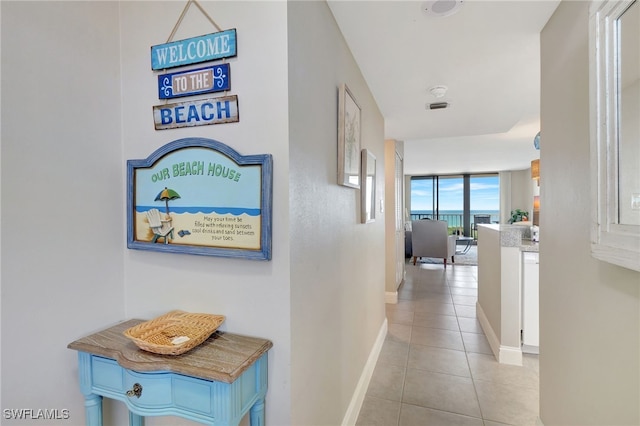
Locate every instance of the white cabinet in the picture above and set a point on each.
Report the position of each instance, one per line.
(530, 303)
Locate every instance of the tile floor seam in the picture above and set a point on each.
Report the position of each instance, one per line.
(475, 389)
(404, 379)
(437, 347)
(502, 383)
(440, 372)
(439, 410)
(466, 356)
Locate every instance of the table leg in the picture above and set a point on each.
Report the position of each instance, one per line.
(466, 248)
(135, 420)
(93, 409)
(256, 415)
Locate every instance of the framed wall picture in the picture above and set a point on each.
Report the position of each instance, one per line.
(368, 189)
(199, 196)
(349, 126)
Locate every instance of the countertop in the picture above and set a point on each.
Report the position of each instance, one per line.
(515, 236)
(529, 246)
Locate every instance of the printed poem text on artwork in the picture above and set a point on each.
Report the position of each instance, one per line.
(223, 228)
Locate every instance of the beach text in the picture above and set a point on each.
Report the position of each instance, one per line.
(196, 168)
(199, 112)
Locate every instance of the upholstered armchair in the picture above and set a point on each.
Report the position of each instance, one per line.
(430, 238)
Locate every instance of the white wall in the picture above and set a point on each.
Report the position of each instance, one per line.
(254, 295)
(62, 195)
(589, 310)
(337, 263)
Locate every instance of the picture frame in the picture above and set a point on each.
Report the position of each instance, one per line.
(368, 187)
(200, 196)
(349, 129)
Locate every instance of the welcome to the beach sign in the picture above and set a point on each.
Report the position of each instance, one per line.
(199, 196)
(195, 50)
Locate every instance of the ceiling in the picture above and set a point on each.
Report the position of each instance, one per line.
(487, 54)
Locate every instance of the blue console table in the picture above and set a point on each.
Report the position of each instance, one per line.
(216, 383)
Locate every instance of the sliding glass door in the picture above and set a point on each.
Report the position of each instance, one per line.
(458, 199)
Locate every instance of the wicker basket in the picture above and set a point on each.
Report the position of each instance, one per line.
(175, 332)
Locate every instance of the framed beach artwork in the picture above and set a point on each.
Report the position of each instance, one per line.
(349, 122)
(368, 189)
(199, 196)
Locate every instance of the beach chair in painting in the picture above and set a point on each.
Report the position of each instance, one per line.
(161, 228)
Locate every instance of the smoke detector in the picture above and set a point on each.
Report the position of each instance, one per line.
(438, 91)
(441, 8)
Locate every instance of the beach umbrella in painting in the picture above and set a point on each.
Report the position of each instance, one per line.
(165, 195)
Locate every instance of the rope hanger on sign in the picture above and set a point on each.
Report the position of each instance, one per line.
(184, 12)
(179, 22)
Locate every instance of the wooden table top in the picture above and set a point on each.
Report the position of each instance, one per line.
(222, 357)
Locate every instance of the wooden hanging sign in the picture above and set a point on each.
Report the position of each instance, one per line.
(194, 50)
(200, 196)
(215, 78)
(199, 112)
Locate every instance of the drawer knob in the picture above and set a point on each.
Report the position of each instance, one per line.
(135, 391)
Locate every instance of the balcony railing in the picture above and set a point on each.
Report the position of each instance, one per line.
(455, 221)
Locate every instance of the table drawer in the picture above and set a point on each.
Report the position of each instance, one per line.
(155, 390)
(143, 390)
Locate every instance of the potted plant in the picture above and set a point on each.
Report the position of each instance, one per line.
(518, 215)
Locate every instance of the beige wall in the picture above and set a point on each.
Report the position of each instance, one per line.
(516, 192)
(394, 240)
(490, 277)
(521, 191)
(253, 295)
(77, 97)
(63, 228)
(337, 263)
(589, 310)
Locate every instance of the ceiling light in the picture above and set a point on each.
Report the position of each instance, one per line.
(441, 8)
(438, 91)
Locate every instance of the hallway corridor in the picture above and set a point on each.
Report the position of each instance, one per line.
(436, 366)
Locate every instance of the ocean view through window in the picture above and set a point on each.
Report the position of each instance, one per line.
(455, 199)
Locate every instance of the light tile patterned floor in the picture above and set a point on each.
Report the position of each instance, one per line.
(436, 366)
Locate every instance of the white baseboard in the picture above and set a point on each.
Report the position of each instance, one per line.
(494, 342)
(391, 297)
(351, 416)
(510, 355)
(539, 422)
(504, 354)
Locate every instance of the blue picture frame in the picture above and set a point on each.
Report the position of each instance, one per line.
(200, 196)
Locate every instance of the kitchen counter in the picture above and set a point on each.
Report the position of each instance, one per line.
(514, 236)
(529, 246)
(500, 257)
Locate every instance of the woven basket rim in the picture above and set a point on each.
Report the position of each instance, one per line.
(196, 326)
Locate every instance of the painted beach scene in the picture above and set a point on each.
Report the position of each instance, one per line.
(198, 197)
